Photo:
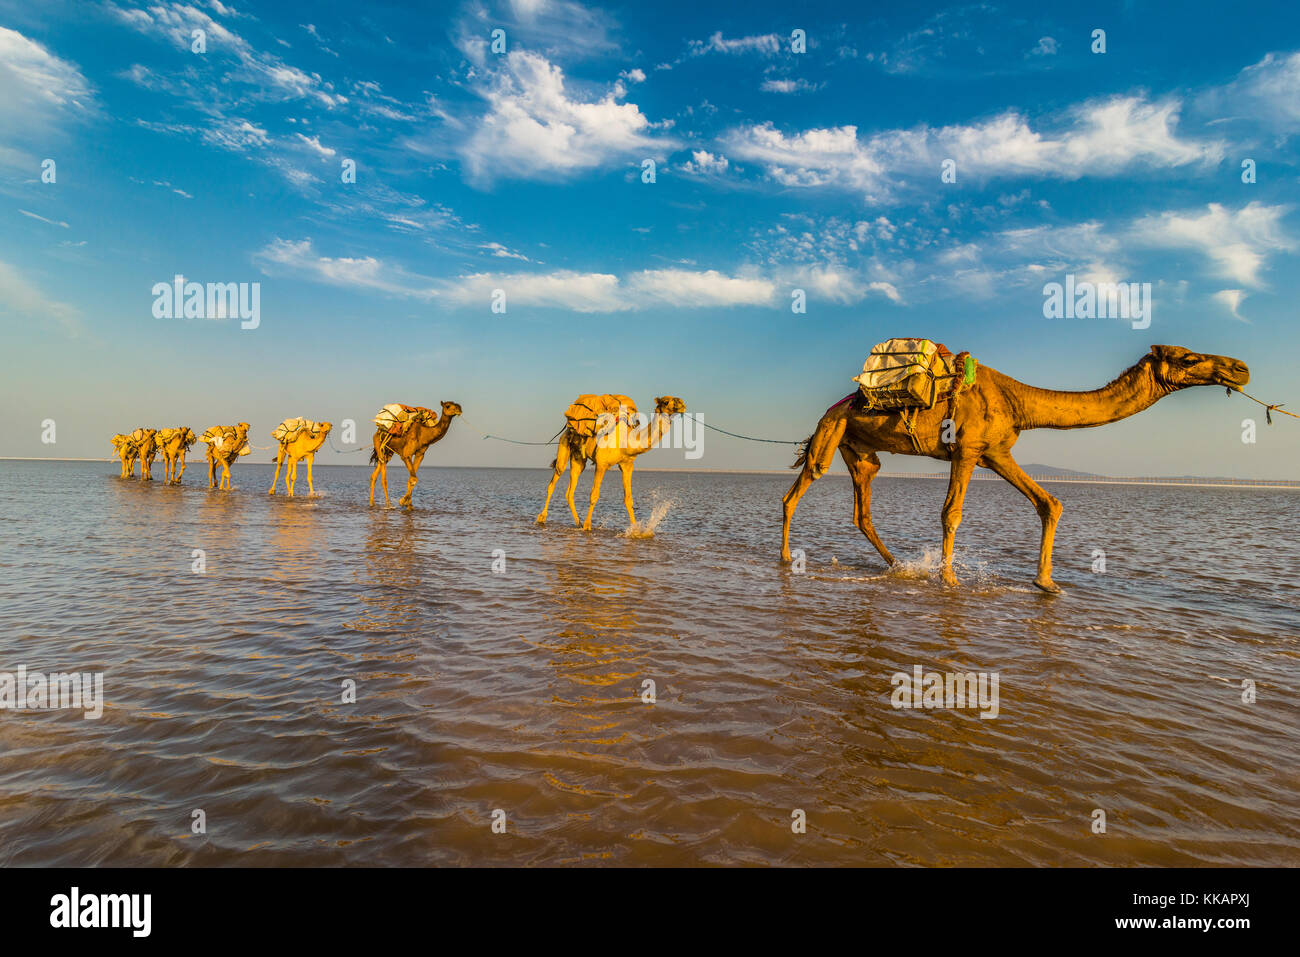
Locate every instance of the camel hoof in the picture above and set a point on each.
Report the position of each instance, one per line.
(541, 519)
(949, 578)
(1048, 586)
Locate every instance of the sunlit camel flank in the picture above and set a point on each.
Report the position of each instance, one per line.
(297, 447)
(173, 444)
(126, 452)
(618, 447)
(148, 448)
(989, 417)
(410, 447)
(224, 446)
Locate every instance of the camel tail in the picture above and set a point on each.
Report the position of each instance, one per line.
(374, 456)
(802, 455)
(818, 451)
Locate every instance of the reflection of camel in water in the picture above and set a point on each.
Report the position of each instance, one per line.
(173, 444)
(410, 447)
(303, 445)
(618, 447)
(989, 416)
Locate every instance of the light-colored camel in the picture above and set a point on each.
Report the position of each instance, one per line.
(619, 445)
(224, 446)
(302, 445)
(410, 447)
(172, 445)
(988, 418)
(126, 452)
(148, 450)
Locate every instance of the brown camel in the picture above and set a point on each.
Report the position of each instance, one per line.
(148, 448)
(127, 452)
(425, 429)
(173, 444)
(296, 446)
(225, 445)
(988, 417)
(613, 442)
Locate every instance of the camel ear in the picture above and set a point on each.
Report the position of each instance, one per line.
(1166, 352)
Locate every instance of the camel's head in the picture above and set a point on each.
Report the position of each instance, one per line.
(451, 408)
(323, 428)
(669, 405)
(242, 428)
(189, 438)
(1179, 368)
(120, 440)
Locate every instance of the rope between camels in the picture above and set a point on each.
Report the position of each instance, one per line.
(500, 438)
(1268, 409)
(750, 438)
(343, 451)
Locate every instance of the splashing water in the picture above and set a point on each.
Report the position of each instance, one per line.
(647, 528)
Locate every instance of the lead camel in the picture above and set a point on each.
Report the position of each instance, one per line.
(989, 417)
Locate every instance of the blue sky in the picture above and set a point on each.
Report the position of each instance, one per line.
(522, 170)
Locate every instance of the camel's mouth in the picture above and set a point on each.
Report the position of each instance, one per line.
(1234, 376)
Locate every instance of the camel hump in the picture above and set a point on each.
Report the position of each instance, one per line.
(288, 430)
(584, 413)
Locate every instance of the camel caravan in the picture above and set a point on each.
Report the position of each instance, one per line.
(914, 397)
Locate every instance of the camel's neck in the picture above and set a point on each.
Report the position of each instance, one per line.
(643, 440)
(432, 433)
(1134, 390)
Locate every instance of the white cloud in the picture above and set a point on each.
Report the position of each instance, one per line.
(535, 129)
(787, 86)
(767, 44)
(23, 299)
(39, 92)
(702, 162)
(1099, 138)
(1267, 92)
(1238, 242)
(51, 222)
(681, 287)
(300, 257)
(634, 75)
(313, 143)
(1046, 46)
(1232, 299)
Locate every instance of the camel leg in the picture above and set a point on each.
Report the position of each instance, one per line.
(817, 456)
(225, 475)
(279, 458)
(626, 469)
(212, 471)
(576, 465)
(379, 470)
(862, 469)
(412, 465)
(311, 488)
(595, 493)
(1047, 505)
(963, 464)
(177, 476)
(559, 465)
(291, 475)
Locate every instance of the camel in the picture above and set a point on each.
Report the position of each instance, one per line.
(148, 450)
(298, 446)
(173, 444)
(127, 452)
(225, 444)
(609, 445)
(425, 429)
(989, 416)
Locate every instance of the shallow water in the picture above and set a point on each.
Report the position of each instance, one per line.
(521, 690)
